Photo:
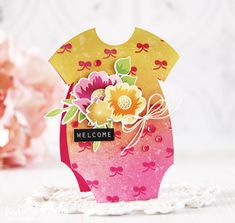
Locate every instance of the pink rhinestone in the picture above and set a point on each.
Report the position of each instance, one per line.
(151, 128)
(158, 138)
(145, 148)
(74, 166)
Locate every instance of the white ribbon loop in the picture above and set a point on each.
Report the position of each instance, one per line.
(154, 111)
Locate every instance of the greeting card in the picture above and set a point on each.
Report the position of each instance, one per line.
(115, 132)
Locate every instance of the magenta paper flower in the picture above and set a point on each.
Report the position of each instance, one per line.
(92, 88)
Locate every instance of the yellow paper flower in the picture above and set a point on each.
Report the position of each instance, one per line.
(99, 112)
(126, 101)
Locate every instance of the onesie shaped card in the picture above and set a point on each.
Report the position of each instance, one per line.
(115, 132)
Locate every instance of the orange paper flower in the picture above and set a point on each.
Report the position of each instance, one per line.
(125, 100)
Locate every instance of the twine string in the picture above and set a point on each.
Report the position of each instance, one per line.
(154, 111)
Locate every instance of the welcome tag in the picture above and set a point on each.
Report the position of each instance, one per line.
(84, 135)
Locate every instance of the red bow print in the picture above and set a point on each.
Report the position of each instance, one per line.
(84, 146)
(148, 166)
(93, 183)
(84, 65)
(142, 47)
(112, 198)
(139, 190)
(133, 70)
(148, 131)
(66, 47)
(127, 151)
(117, 134)
(169, 152)
(160, 64)
(110, 53)
(116, 170)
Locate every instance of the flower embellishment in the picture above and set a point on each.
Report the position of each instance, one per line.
(99, 113)
(89, 101)
(125, 100)
(92, 88)
(102, 99)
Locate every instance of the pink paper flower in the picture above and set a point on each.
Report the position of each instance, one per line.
(27, 90)
(92, 88)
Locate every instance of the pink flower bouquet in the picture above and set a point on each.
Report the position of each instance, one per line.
(27, 90)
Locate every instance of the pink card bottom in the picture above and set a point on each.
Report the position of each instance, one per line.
(134, 175)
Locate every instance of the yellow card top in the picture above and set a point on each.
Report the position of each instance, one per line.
(151, 56)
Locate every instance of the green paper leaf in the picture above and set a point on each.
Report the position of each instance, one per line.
(96, 146)
(72, 111)
(53, 113)
(123, 66)
(68, 101)
(128, 79)
(81, 117)
(110, 124)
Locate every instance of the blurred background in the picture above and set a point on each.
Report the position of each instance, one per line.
(203, 80)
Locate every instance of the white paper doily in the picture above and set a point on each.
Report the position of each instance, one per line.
(71, 201)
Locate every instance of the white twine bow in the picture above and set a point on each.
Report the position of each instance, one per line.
(154, 111)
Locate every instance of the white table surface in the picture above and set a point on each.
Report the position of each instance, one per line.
(214, 169)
